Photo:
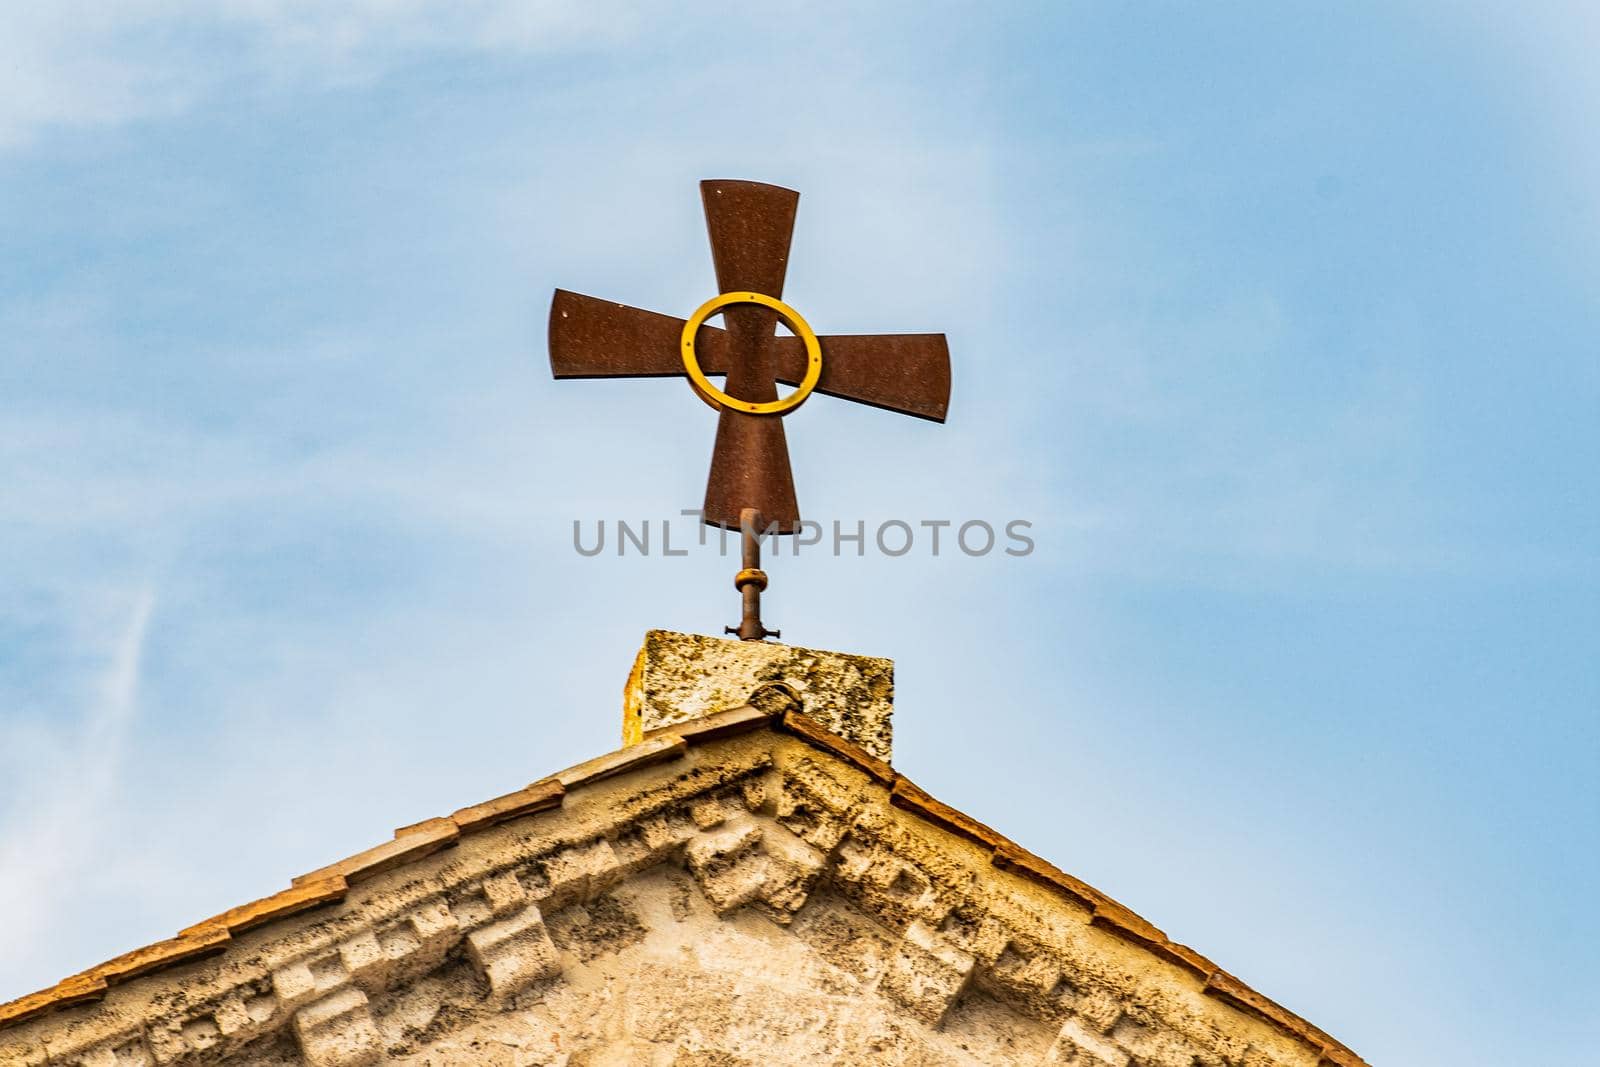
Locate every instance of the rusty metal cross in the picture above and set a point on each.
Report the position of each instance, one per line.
(750, 226)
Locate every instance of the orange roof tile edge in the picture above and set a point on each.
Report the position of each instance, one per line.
(296, 898)
(810, 731)
(328, 884)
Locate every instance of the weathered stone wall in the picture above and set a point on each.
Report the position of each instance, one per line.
(751, 900)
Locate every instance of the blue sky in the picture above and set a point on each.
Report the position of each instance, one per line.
(1278, 322)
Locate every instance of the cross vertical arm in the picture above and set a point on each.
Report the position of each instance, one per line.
(750, 225)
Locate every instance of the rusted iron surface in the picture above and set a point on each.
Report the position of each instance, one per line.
(591, 338)
(904, 372)
(750, 225)
(907, 373)
(751, 580)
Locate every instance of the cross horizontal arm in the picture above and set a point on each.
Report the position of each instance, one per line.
(904, 372)
(593, 338)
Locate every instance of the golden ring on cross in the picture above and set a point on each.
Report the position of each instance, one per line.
(716, 397)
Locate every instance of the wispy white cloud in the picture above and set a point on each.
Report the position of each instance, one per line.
(81, 64)
(113, 467)
(54, 823)
(1544, 52)
(358, 508)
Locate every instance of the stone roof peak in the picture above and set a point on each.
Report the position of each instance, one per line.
(613, 913)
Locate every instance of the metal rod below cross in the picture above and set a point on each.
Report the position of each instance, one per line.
(750, 580)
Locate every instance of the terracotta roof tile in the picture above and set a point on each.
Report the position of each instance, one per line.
(181, 949)
(386, 856)
(1125, 924)
(723, 724)
(808, 730)
(296, 898)
(75, 990)
(540, 796)
(1340, 1056)
(1130, 927)
(1227, 988)
(1185, 956)
(1009, 857)
(910, 797)
(645, 753)
(438, 822)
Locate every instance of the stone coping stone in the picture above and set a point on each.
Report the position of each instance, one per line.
(677, 678)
